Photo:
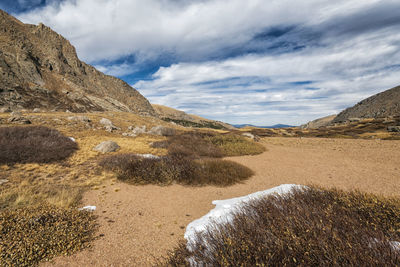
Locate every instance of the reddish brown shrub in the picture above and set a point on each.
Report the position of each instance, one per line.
(33, 144)
(309, 228)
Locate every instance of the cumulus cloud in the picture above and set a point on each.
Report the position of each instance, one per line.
(255, 61)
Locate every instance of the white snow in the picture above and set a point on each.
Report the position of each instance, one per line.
(73, 139)
(223, 210)
(148, 156)
(88, 208)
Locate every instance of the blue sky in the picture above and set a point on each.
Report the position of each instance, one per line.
(255, 61)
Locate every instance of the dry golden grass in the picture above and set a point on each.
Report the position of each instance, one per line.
(62, 183)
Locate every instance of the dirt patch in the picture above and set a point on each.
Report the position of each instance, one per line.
(140, 223)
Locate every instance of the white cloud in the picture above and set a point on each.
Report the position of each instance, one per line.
(348, 48)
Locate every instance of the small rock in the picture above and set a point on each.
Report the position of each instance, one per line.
(139, 130)
(393, 129)
(161, 130)
(106, 122)
(249, 135)
(19, 120)
(36, 110)
(5, 110)
(72, 139)
(107, 146)
(88, 208)
(16, 113)
(3, 181)
(79, 118)
(67, 111)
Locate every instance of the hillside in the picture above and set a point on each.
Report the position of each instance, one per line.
(187, 120)
(40, 69)
(381, 105)
(321, 122)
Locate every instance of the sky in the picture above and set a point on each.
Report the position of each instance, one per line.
(255, 61)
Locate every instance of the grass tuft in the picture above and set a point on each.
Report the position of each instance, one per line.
(33, 144)
(310, 227)
(35, 234)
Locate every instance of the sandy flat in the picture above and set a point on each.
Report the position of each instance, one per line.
(140, 223)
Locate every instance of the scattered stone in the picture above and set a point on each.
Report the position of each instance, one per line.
(139, 130)
(106, 122)
(108, 125)
(3, 181)
(393, 129)
(161, 130)
(67, 111)
(249, 135)
(16, 113)
(19, 120)
(36, 110)
(88, 208)
(107, 147)
(5, 110)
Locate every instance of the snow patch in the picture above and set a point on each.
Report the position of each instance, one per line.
(148, 156)
(223, 210)
(72, 139)
(88, 208)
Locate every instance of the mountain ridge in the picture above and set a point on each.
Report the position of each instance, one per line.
(40, 69)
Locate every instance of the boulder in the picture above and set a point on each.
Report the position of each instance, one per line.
(107, 147)
(106, 122)
(139, 130)
(161, 130)
(79, 118)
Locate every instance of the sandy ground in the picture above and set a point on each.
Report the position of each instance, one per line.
(140, 223)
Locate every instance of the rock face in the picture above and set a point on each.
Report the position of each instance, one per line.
(381, 105)
(40, 69)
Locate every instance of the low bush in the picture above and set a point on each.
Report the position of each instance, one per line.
(235, 145)
(175, 169)
(310, 227)
(33, 144)
(191, 144)
(31, 235)
(198, 144)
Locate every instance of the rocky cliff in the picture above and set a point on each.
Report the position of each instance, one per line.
(381, 105)
(40, 69)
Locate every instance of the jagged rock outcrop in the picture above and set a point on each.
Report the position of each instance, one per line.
(382, 105)
(40, 69)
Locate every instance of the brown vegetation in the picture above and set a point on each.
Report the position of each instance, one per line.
(312, 227)
(175, 169)
(33, 144)
(31, 235)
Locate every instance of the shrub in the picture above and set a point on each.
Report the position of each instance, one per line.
(175, 169)
(312, 227)
(191, 144)
(235, 145)
(197, 145)
(33, 144)
(31, 235)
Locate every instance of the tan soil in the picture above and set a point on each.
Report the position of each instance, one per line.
(140, 223)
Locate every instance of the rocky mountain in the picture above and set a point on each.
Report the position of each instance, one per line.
(188, 120)
(381, 105)
(40, 69)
